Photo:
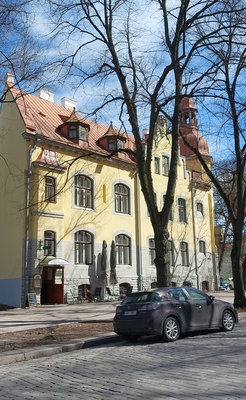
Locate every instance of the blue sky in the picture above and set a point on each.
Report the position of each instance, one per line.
(147, 33)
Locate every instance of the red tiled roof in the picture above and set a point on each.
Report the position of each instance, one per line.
(44, 117)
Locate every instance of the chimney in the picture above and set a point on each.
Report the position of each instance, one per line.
(46, 95)
(9, 77)
(68, 103)
(145, 133)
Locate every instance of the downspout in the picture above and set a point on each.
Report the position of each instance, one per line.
(138, 235)
(194, 233)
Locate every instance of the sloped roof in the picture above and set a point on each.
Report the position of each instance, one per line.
(43, 117)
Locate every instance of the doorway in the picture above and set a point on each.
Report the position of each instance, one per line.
(52, 285)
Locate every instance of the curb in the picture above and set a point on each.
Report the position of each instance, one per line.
(14, 356)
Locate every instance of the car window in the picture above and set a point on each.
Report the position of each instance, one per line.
(196, 295)
(177, 294)
(142, 297)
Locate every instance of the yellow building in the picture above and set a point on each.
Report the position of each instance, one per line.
(74, 222)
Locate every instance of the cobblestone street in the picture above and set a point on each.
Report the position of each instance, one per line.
(198, 366)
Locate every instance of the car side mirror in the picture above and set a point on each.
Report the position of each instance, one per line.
(211, 299)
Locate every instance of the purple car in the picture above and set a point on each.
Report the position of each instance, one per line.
(168, 312)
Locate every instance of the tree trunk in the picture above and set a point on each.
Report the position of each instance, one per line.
(239, 300)
(162, 261)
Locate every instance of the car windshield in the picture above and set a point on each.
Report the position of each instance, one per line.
(142, 297)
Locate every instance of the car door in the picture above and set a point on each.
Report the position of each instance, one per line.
(203, 310)
(183, 308)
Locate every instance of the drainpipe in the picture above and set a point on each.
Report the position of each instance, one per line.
(194, 232)
(27, 216)
(138, 235)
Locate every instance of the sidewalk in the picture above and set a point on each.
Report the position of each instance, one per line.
(44, 316)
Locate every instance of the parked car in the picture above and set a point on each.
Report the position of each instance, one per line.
(168, 312)
(224, 285)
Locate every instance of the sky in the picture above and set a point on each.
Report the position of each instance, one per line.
(146, 30)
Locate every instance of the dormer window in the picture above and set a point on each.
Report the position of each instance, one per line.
(111, 144)
(83, 132)
(120, 144)
(74, 129)
(77, 132)
(72, 132)
(115, 143)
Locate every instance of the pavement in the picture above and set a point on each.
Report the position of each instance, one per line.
(45, 316)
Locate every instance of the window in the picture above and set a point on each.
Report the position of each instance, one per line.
(77, 132)
(184, 253)
(50, 188)
(83, 191)
(157, 165)
(58, 276)
(151, 251)
(171, 252)
(82, 132)
(72, 132)
(111, 144)
(177, 294)
(171, 212)
(122, 199)
(202, 247)
(199, 209)
(83, 247)
(123, 250)
(196, 295)
(165, 165)
(182, 210)
(49, 243)
(120, 144)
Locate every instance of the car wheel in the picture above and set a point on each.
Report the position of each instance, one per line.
(227, 321)
(131, 338)
(171, 330)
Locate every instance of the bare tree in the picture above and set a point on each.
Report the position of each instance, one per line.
(227, 101)
(142, 71)
(20, 52)
(224, 172)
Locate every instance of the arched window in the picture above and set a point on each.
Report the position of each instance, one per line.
(49, 243)
(199, 210)
(123, 250)
(83, 191)
(122, 198)
(182, 210)
(202, 247)
(83, 247)
(184, 254)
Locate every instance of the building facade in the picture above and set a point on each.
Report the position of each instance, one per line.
(74, 221)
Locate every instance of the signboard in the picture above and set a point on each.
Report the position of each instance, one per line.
(37, 279)
(32, 299)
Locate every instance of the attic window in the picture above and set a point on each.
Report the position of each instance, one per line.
(111, 144)
(115, 143)
(72, 132)
(82, 132)
(77, 132)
